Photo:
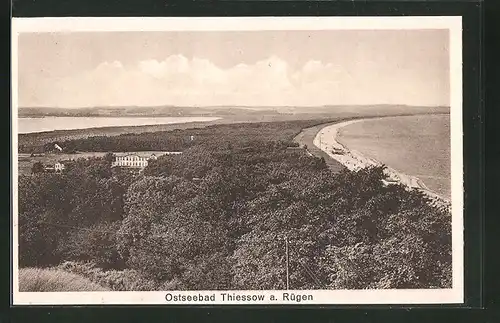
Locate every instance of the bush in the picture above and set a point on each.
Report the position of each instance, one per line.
(37, 168)
(54, 280)
(97, 244)
(59, 212)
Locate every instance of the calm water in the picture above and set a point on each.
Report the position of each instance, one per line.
(416, 145)
(27, 125)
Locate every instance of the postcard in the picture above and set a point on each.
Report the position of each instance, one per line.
(237, 160)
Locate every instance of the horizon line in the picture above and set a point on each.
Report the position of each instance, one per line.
(237, 106)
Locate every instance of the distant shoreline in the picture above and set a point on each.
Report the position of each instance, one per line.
(167, 121)
(117, 116)
(327, 140)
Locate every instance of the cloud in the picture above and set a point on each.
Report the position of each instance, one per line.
(202, 76)
(175, 80)
(178, 80)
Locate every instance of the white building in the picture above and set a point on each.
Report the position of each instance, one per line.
(137, 159)
(59, 167)
(132, 161)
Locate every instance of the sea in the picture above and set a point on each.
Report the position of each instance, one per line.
(414, 145)
(30, 125)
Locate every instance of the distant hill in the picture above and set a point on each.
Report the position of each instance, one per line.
(135, 111)
(216, 111)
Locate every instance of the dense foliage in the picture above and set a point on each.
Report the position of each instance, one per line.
(179, 140)
(216, 217)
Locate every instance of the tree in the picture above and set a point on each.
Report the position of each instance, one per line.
(259, 261)
(225, 229)
(165, 236)
(109, 157)
(37, 168)
(39, 237)
(54, 209)
(97, 244)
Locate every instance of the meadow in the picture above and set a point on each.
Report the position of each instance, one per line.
(53, 280)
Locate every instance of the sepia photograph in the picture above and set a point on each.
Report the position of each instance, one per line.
(297, 160)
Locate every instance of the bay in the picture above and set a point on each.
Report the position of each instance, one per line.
(30, 125)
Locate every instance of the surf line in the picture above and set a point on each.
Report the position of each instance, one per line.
(326, 140)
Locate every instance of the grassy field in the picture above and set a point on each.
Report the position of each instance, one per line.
(52, 280)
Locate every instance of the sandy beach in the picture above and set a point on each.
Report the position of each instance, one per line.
(327, 141)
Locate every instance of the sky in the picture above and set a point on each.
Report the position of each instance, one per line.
(245, 68)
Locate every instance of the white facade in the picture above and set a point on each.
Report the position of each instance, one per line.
(137, 160)
(133, 161)
(59, 167)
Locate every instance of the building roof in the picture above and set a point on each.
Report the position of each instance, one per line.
(144, 154)
(133, 155)
(139, 155)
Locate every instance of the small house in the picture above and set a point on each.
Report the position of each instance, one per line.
(59, 167)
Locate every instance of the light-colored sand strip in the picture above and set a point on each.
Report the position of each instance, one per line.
(326, 140)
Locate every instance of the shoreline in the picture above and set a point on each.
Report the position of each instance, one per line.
(327, 140)
(173, 121)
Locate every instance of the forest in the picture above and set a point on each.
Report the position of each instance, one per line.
(181, 139)
(216, 217)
